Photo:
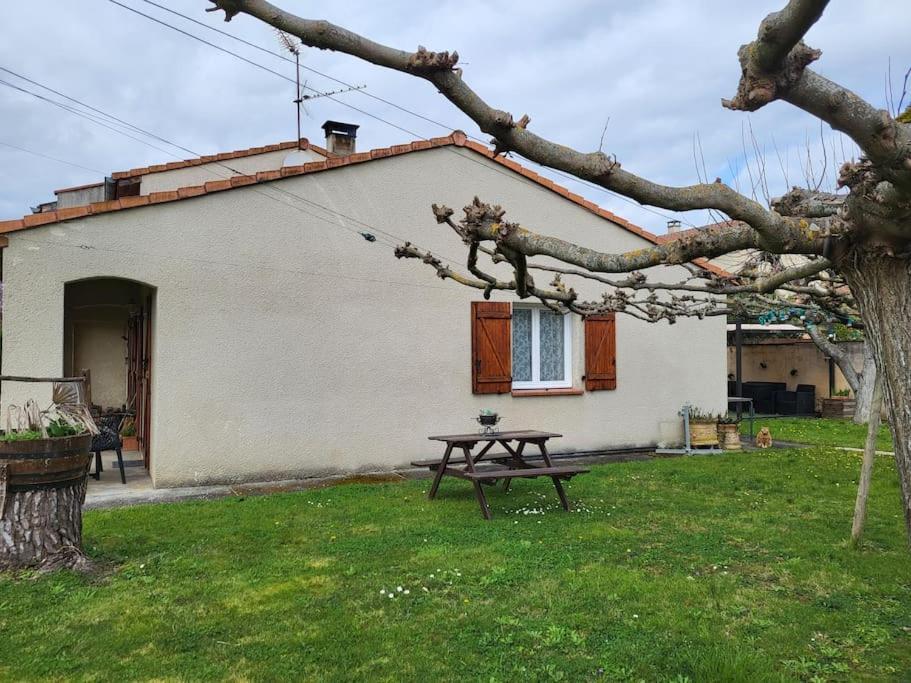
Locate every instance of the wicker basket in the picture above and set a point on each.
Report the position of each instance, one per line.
(703, 434)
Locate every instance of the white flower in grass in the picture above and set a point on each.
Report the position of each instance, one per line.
(406, 591)
(399, 589)
(635, 616)
(392, 595)
(382, 591)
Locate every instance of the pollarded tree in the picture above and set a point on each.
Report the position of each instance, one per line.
(864, 235)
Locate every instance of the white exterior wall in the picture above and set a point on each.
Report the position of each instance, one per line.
(163, 181)
(285, 345)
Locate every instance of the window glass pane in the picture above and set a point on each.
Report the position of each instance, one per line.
(551, 346)
(521, 344)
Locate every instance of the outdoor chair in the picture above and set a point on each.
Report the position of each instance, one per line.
(108, 439)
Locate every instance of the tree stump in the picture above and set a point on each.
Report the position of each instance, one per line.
(42, 489)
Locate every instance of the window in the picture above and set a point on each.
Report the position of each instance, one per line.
(541, 349)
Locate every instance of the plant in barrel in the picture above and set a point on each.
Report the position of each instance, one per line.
(44, 460)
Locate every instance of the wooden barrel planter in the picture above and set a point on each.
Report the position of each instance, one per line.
(729, 436)
(42, 488)
(703, 434)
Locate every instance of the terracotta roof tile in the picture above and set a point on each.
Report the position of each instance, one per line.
(457, 138)
(104, 207)
(130, 202)
(72, 212)
(264, 176)
(241, 180)
(216, 185)
(186, 192)
(223, 156)
(36, 219)
(166, 196)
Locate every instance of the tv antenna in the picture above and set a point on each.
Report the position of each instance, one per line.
(294, 47)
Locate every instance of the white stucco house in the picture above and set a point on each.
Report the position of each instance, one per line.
(250, 306)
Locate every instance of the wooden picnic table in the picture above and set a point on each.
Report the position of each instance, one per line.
(507, 466)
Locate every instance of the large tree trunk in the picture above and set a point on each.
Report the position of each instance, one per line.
(42, 529)
(882, 288)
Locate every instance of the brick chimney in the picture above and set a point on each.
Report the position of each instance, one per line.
(673, 226)
(340, 137)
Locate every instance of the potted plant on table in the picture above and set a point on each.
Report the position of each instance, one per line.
(703, 428)
(128, 435)
(729, 432)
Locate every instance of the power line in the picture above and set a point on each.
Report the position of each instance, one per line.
(259, 190)
(46, 156)
(303, 66)
(81, 114)
(293, 271)
(558, 172)
(260, 66)
(90, 108)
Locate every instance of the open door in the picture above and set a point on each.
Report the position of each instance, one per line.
(139, 374)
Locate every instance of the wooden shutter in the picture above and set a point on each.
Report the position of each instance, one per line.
(491, 347)
(600, 352)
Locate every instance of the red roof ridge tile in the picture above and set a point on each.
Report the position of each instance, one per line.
(221, 156)
(456, 138)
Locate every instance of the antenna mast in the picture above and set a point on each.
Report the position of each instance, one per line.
(294, 48)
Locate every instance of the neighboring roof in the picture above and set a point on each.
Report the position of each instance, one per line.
(770, 329)
(304, 143)
(77, 188)
(456, 139)
(669, 237)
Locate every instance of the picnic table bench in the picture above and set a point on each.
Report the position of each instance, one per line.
(507, 466)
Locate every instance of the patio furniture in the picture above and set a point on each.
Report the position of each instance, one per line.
(806, 399)
(507, 466)
(108, 439)
(786, 402)
(763, 395)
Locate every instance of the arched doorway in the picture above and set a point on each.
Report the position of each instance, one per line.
(107, 327)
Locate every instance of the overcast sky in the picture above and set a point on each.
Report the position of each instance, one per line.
(656, 69)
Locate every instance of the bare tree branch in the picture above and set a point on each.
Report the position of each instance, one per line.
(509, 135)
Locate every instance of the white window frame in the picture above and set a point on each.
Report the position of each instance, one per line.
(536, 382)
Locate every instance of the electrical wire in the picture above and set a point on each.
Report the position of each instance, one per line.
(229, 264)
(558, 172)
(391, 239)
(46, 156)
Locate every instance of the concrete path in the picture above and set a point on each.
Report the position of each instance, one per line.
(109, 492)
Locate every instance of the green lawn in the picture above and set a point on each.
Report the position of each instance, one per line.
(731, 567)
(819, 431)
